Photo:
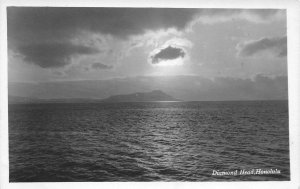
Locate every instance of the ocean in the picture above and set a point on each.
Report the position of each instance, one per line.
(149, 141)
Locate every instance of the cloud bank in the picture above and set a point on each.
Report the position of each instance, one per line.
(45, 26)
(277, 46)
(49, 23)
(53, 55)
(28, 26)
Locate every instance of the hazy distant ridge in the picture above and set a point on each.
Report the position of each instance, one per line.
(155, 95)
(188, 88)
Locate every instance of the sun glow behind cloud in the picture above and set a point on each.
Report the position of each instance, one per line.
(169, 70)
(178, 66)
(175, 62)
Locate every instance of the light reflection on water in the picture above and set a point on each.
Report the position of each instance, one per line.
(154, 141)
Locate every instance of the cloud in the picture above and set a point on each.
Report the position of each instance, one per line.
(211, 16)
(100, 66)
(173, 52)
(28, 26)
(32, 24)
(168, 53)
(120, 22)
(53, 55)
(276, 46)
(179, 42)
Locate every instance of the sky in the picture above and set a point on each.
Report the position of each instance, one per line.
(48, 44)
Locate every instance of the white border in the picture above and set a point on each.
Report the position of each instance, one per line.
(293, 31)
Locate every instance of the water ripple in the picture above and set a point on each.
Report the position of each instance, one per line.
(182, 141)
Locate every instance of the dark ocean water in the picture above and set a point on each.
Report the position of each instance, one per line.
(153, 141)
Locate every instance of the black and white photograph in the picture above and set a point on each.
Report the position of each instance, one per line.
(147, 94)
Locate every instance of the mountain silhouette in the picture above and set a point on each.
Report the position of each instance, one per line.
(155, 95)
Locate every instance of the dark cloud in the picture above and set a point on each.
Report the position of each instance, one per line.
(276, 45)
(168, 53)
(50, 55)
(53, 23)
(100, 66)
(63, 22)
(28, 26)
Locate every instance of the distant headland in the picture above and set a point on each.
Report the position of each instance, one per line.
(155, 95)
